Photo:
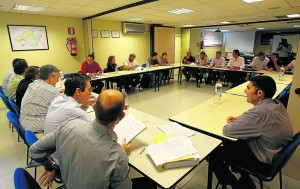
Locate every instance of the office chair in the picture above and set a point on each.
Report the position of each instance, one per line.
(14, 107)
(280, 162)
(30, 139)
(6, 103)
(1, 90)
(23, 180)
(283, 97)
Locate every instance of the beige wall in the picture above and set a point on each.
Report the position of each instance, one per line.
(195, 40)
(293, 166)
(185, 41)
(178, 45)
(120, 47)
(258, 47)
(57, 33)
(164, 41)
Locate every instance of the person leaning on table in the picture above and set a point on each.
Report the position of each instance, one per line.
(188, 59)
(92, 68)
(262, 132)
(88, 152)
(260, 62)
(131, 64)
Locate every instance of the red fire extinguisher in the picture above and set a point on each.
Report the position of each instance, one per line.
(71, 45)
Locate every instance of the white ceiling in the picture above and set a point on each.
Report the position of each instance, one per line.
(207, 12)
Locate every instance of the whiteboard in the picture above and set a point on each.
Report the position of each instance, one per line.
(292, 39)
(243, 41)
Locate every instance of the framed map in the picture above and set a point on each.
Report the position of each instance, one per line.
(28, 38)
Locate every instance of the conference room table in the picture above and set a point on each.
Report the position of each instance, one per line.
(249, 71)
(122, 75)
(209, 118)
(140, 160)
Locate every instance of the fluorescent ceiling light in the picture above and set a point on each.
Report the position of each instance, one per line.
(135, 19)
(180, 11)
(251, 1)
(260, 28)
(225, 22)
(29, 8)
(224, 30)
(188, 25)
(297, 26)
(293, 15)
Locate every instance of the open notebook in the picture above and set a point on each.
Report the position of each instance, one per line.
(129, 127)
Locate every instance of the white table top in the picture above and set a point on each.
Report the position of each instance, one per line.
(239, 90)
(143, 163)
(209, 118)
(286, 79)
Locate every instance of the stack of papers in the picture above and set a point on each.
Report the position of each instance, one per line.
(128, 128)
(174, 129)
(174, 152)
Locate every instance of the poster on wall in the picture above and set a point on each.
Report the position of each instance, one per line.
(28, 38)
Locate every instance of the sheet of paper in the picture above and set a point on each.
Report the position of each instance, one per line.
(174, 129)
(170, 150)
(129, 127)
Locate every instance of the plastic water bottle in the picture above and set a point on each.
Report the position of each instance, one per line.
(218, 92)
(126, 99)
(281, 73)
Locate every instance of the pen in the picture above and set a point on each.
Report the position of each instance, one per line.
(143, 149)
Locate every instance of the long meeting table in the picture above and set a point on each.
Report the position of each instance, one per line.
(142, 162)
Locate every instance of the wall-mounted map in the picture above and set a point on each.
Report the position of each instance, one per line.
(26, 38)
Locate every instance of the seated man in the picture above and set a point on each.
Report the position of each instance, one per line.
(260, 62)
(8, 75)
(188, 59)
(262, 132)
(92, 68)
(217, 62)
(198, 72)
(131, 64)
(153, 62)
(72, 105)
(274, 64)
(236, 63)
(38, 98)
(30, 76)
(88, 153)
(19, 69)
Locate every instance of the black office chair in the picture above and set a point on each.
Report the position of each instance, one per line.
(280, 162)
(283, 97)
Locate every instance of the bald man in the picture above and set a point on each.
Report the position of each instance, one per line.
(88, 153)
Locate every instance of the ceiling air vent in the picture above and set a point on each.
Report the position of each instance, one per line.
(133, 28)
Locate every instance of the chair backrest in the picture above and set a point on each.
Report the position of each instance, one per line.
(14, 119)
(30, 137)
(5, 100)
(14, 106)
(1, 90)
(105, 70)
(285, 155)
(23, 180)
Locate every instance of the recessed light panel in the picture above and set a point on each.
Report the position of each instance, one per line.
(251, 1)
(180, 11)
(29, 8)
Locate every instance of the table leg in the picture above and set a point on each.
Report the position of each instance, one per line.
(209, 175)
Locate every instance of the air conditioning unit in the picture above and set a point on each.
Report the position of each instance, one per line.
(133, 28)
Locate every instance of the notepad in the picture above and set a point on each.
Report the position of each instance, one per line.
(129, 127)
(174, 129)
(170, 150)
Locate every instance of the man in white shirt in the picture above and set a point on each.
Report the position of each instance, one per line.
(291, 66)
(130, 64)
(72, 105)
(236, 63)
(260, 62)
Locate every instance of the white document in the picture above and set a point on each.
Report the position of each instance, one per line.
(129, 127)
(170, 150)
(174, 129)
(138, 69)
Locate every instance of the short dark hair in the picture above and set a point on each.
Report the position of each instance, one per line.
(261, 53)
(164, 53)
(153, 54)
(46, 71)
(108, 115)
(31, 72)
(203, 52)
(236, 51)
(275, 54)
(92, 56)
(75, 81)
(219, 52)
(266, 84)
(20, 66)
(15, 60)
